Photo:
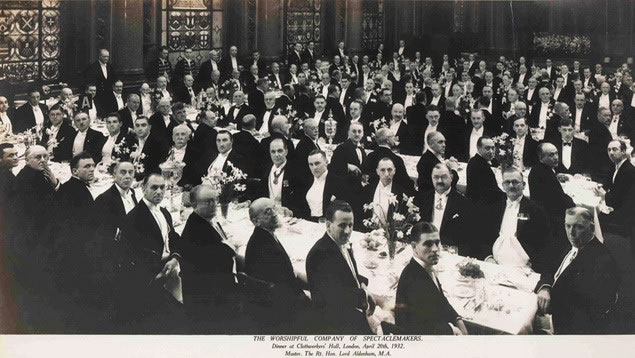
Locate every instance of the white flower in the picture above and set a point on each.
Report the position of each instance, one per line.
(392, 199)
(399, 235)
(398, 217)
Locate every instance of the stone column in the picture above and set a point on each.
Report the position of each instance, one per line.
(270, 29)
(127, 40)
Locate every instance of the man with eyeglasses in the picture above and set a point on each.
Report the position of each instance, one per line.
(421, 306)
(518, 231)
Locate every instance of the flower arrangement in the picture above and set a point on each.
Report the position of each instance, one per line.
(296, 120)
(469, 268)
(228, 184)
(395, 225)
(505, 155)
(572, 45)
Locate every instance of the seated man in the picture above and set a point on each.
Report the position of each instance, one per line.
(544, 187)
(323, 188)
(482, 186)
(118, 139)
(434, 154)
(146, 152)
(517, 227)
(448, 210)
(278, 182)
(380, 192)
(421, 307)
(338, 291)
(385, 141)
(58, 136)
(525, 147)
(209, 286)
(154, 263)
(582, 291)
(619, 191)
(86, 138)
(267, 260)
(573, 152)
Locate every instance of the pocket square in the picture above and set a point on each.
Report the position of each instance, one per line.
(455, 216)
(333, 197)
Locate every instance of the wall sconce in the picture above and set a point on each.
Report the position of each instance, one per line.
(629, 60)
(607, 59)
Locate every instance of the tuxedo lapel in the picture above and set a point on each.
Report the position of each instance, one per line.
(150, 222)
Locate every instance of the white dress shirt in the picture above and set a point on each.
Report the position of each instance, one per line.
(163, 226)
(106, 150)
(566, 155)
(315, 195)
(179, 154)
(521, 78)
(275, 189)
(126, 198)
(408, 101)
(278, 82)
(214, 66)
(318, 116)
(92, 112)
(343, 97)
(617, 167)
(166, 120)
(104, 69)
(578, 119)
(507, 250)
(119, 100)
(565, 263)
(219, 162)
(613, 126)
(325, 91)
(234, 62)
(39, 116)
(78, 144)
(632, 101)
(435, 100)
(542, 117)
(556, 93)
(347, 257)
(381, 199)
(439, 204)
(474, 136)
(394, 126)
(605, 101)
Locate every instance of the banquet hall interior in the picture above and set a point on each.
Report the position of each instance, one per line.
(317, 167)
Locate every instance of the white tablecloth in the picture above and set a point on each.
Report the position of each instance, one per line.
(504, 309)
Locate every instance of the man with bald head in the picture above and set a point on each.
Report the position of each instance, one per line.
(432, 156)
(204, 76)
(267, 260)
(35, 186)
(245, 143)
(209, 286)
(185, 91)
(230, 63)
(237, 111)
(279, 129)
(544, 186)
(161, 121)
(385, 139)
(403, 135)
(112, 101)
(621, 122)
(308, 143)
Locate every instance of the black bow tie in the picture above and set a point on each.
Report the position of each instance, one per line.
(566, 144)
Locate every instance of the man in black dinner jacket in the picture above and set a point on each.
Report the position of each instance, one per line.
(30, 113)
(92, 142)
(338, 291)
(267, 260)
(575, 158)
(320, 189)
(385, 140)
(481, 181)
(581, 292)
(154, 257)
(207, 268)
(58, 135)
(434, 155)
(421, 307)
(448, 209)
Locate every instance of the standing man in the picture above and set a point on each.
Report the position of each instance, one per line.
(101, 74)
(337, 289)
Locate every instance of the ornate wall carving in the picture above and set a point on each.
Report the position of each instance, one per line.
(303, 22)
(373, 24)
